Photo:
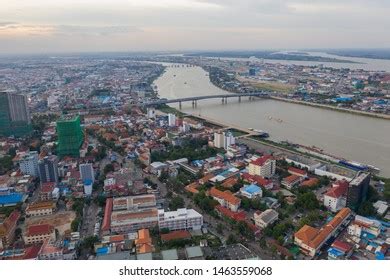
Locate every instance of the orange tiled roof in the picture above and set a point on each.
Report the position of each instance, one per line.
(290, 179)
(226, 195)
(230, 182)
(179, 234)
(309, 183)
(206, 178)
(306, 234)
(314, 237)
(192, 188)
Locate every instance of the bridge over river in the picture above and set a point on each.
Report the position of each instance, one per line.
(194, 99)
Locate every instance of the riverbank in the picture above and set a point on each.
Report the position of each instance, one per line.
(323, 106)
(246, 136)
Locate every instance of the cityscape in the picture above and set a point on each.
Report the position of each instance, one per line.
(198, 154)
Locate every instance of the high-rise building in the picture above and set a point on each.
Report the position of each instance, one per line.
(264, 166)
(88, 184)
(151, 113)
(70, 136)
(229, 140)
(14, 115)
(223, 139)
(28, 164)
(171, 120)
(219, 139)
(87, 172)
(357, 190)
(48, 169)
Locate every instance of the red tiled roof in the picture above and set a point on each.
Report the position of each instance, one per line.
(173, 235)
(32, 252)
(343, 246)
(262, 160)
(290, 179)
(337, 191)
(297, 171)
(47, 187)
(237, 216)
(256, 179)
(39, 229)
(107, 214)
(117, 238)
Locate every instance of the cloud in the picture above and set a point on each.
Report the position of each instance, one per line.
(94, 30)
(65, 30)
(7, 23)
(201, 24)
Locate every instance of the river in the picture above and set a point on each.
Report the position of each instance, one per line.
(359, 138)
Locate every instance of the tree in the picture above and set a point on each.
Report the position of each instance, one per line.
(244, 230)
(307, 200)
(89, 242)
(366, 209)
(176, 203)
(205, 202)
(5, 164)
(164, 176)
(12, 152)
(386, 191)
(75, 224)
(231, 239)
(220, 228)
(262, 243)
(109, 168)
(246, 203)
(18, 232)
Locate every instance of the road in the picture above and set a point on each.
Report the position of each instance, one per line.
(213, 222)
(89, 219)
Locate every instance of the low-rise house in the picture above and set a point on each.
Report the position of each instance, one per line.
(251, 191)
(310, 240)
(7, 229)
(143, 243)
(335, 197)
(310, 183)
(340, 250)
(39, 233)
(46, 192)
(157, 168)
(236, 216)
(292, 181)
(364, 226)
(41, 208)
(49, 251)
(381, 207)
(226, 199)
(266, 218)
(297, 171)
(193, 187)
(260, 181)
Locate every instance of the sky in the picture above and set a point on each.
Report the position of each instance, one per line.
(49, 26)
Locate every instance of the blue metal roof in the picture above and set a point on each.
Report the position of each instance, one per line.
(13, 198)
(252, 188)
(335, 252)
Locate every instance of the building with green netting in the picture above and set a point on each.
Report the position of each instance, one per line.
(14, 115)
(70, 136)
